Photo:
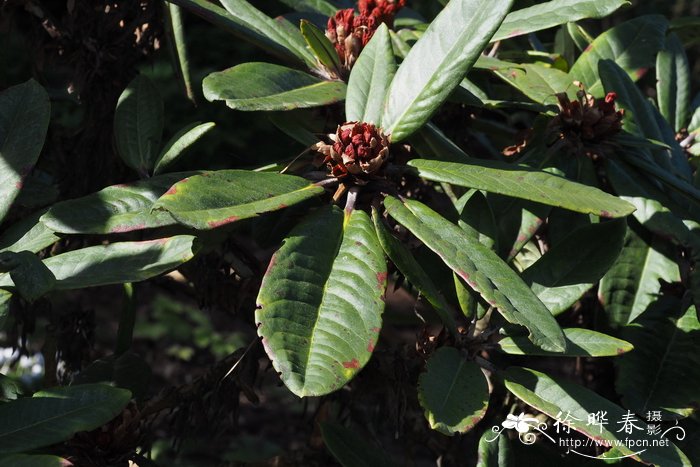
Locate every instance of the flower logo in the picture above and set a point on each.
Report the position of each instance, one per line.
(521, 423)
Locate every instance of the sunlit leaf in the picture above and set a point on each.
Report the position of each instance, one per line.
(319, 309)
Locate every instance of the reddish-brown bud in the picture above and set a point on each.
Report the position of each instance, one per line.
(383, 11)
(349, 34)
(587, 121)
(356, 148)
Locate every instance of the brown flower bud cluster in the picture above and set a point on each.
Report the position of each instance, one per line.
(357, 149)
(382, 10)
(587, 121)
(349, 33)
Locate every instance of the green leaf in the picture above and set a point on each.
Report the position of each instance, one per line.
(117, 263)
(579, 343)
(28, 234)
(178, 144)
(249, 16)
(56, 414)
(431, 143)
(321, 46)
(312, 6)
(320, 304)
(31, 277)
(177, 45)
(538, 82)
(33, 460)
(264, 86)
(237, 26)
(496, 454)
(439, 61)
(553, 13)
(482, 269)
(663, 370)
(213, 199)
(639, 116)
(24, 119)
(115, 209)
(370, 78)
(138, 124)
(632, 283)
(414, 272)
(558, 398)
(633, 45)
(574, 265)
(526, 183)
(580, 36)
(9, 388)
(476, 218)
(5, 298)
(453, 392)
(350, 449)
(655, 210)
(673, 83)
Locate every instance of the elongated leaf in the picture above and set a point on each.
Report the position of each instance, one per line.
(453, 392)
(661, 374)
(494, 453)
(236, 26)
(24, 119)
(321, 301)
(33, 460)
(570, 268)
(561, 398)
(482, 270)
(115, 209)
(264, 86)
(312, 6)
(538, 82)
(580, 36)
(673, 82)
(56, 414)
(350, 449)
(632, 283)
(27, 235)
(438, 62)
(414, 272)
(579, 343)
(5, 298)
(138, 124)
(321, 46)
(31, 277)
(633, 45)
(218, 198)
(178, 144)
(476, 218)
(370, 78)
(117, 263)
(655, 210)
(526, 183)
(178, 48)
(639, 116)
(249, 16)
(553, 13)
(431, 143)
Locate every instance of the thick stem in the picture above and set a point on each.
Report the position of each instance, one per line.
(352, 199)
